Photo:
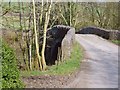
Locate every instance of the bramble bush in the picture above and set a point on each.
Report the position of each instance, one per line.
(10, 72)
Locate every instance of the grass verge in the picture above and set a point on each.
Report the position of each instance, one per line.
(64, 68)
(116, 42)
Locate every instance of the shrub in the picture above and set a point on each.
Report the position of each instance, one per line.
(10, 72)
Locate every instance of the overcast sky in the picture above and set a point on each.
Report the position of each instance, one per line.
(64, 0)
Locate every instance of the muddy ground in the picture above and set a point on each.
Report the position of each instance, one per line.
(49, 81)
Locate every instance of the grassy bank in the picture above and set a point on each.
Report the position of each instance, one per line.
(64, 68)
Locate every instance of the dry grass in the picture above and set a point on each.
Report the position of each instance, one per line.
(11, 38)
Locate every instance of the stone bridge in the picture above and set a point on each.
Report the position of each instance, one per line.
(60, 40)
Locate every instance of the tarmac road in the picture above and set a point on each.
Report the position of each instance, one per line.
(99, 69)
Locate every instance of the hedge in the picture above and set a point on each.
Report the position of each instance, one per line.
(10, 72)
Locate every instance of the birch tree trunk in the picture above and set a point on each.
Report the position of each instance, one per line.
(47, 16)
(41, 14)
(70, 14)
(36, 38)
(30, 40)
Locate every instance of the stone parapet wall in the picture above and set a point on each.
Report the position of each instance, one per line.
(114, 35)
(107, 34)
(67, 43)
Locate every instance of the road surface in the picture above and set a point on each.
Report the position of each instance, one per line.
(99, 69)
